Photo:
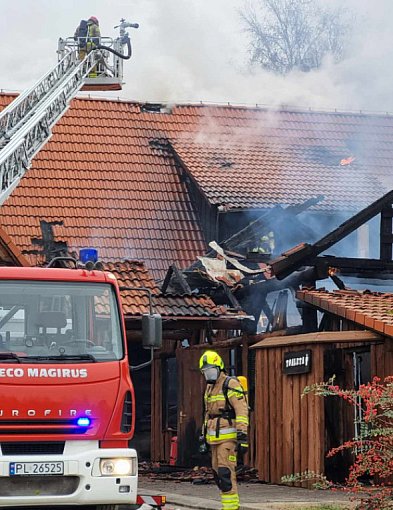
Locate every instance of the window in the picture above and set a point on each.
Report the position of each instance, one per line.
(56, 319)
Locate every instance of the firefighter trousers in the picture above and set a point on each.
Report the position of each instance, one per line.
(224, 471)
(82, 54)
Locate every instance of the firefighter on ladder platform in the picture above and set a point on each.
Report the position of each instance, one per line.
(88, 35)
(225, 425)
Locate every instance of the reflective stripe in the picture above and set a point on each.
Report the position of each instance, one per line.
(236, 392)
(228, 430)
(230, 501)
(224, 434)
(242, 419)
(216, 398)
(232, 458)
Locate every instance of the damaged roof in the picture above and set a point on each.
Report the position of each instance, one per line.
(372, 310)
(135, 303)
(113, 191)
(112, 173)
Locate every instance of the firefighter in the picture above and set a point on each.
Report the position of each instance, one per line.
(88, 36)
(225, 425)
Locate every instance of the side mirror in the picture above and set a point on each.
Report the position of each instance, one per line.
(151, 331)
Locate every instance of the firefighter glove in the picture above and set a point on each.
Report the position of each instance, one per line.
(242, 442)
(203, 446)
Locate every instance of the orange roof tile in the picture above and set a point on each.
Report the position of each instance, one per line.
(372, 310)
(135, 303)
(110, 174)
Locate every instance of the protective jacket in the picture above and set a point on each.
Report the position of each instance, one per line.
(222, 422)
(92, 37)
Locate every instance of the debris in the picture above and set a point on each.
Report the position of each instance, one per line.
(198, 475)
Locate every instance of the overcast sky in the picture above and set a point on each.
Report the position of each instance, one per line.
(195, 50)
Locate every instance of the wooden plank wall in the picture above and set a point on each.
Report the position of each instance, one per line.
(286, 421)
(382, 359)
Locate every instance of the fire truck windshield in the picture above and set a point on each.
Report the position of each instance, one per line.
(58, 321)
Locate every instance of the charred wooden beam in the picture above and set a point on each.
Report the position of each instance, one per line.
(338, 282)
(353, 223)
(280, 311)
(290, 260)
(176, 278)
(265, 222)
(230, 297)
(355, 267)
(301, 277)
(386, 237)
(305, 255)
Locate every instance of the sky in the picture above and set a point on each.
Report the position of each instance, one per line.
(196, 50)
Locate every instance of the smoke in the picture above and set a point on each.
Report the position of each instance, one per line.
(196, 50)
(204, 58)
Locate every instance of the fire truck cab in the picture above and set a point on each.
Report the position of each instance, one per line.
(67, 406)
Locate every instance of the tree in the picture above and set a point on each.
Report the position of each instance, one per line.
(294, 34)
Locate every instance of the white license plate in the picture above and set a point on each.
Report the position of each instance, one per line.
(36, 468)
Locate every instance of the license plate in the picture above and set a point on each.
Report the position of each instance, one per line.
(36, 468)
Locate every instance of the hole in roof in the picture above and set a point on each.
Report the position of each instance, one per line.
(220, 161)
(322, 155)
(155, 108)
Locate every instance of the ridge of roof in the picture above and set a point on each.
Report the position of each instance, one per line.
(229, 105)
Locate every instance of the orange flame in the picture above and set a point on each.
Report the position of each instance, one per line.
(332, 271)
(347, 161)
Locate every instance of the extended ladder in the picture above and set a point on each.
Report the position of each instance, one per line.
(26, 124)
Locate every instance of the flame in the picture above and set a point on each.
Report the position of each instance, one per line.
(347, 161)
(332, 271)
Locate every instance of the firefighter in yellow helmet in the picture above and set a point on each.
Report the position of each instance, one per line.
(225, 425)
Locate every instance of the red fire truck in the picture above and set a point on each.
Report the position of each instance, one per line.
(67, 406)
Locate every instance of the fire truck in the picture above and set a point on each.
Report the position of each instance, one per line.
(67, 404)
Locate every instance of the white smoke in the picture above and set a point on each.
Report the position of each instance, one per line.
(196, 50)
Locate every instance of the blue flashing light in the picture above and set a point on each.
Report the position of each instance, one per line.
(84, 421)
(88, 255)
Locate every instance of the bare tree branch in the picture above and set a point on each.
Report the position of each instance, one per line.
(294, 34)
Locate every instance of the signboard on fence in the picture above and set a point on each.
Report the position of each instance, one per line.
(297, 362)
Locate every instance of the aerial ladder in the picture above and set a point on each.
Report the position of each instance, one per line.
(26, 124)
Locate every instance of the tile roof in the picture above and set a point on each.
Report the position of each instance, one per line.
(100, 176)
(135, 303)
(259, 158)
(10, 255)
(372, 310)
(109, 172)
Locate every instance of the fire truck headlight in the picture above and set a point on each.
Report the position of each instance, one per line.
(118, 467)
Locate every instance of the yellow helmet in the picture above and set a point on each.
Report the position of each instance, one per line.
(211, 358)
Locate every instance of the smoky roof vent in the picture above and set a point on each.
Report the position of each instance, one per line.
(155, 108)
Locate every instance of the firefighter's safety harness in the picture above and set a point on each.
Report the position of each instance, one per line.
(227, 412)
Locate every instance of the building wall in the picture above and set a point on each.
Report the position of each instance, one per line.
(294, 433)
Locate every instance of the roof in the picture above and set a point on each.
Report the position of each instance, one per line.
(372, 310)
(10, 255)
(252, 158)
(99, 175)
(319, 337)
(111, 172)
(135, 303)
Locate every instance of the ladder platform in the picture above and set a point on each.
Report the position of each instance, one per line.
(102, 83)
